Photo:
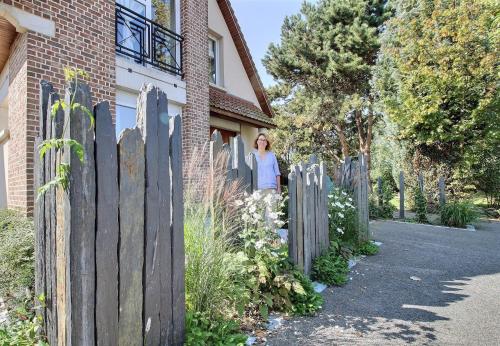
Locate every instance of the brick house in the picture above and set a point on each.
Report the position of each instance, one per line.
(122, 45)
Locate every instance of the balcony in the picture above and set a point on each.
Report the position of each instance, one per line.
(147, 42)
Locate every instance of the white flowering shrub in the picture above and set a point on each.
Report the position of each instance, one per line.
(271, 280)
(341, 214)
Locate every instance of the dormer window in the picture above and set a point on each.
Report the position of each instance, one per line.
(214, 60)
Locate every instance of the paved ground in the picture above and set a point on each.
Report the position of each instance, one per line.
(455, 302)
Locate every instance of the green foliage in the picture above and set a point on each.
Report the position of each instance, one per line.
(437, 78)
(17, 252)
(330, 268)
(201, 330)
(386, 210)
(368, 249)
(342, 216)
(420, 206)
(459, 214)
(323, 66)
(23, 327)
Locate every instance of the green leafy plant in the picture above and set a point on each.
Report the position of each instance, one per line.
(330, 268)
(459, 214)
(201, 329)
(73, 75)
(420, 206)
(386, 209)
(368, 248)
(23, 327)
(17, 253)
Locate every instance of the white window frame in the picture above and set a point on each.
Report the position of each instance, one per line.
(218, 61)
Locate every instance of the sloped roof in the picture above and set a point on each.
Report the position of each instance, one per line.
(245, 56)
(222, 102)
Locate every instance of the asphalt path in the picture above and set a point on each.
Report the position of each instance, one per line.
(427, 286)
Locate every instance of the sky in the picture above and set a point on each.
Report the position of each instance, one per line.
(260, 21)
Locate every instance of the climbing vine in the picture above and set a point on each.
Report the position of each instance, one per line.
(71, 74)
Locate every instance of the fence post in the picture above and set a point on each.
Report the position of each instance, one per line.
(379, 191)
(361, 193)
(177, 229)
(292, 215)
(80, 210)
(442, 193)
(421, 182)
(299, 174)
(401, 195)
(132, 188)
(107, 229)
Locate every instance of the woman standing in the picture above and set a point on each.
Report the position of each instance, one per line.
(268, 176)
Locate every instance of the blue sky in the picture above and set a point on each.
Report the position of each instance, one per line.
(261, 21)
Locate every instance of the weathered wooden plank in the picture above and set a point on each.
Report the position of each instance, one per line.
(131, 246)
(226, 148)
(178, 257)
(292, 216)
(39, 222)
(147, 120)
(442, 192)
(239, 157)
(379, 191)
(248, 172)
(300, 212)
(63, 216)
(49, 227)
(216, 144)
(307, 216)
(254, 173)
(46, 89)
(362, 200)
(324, 207)
(165, 238)
(82, 209)
(315, 216)
(401, 195)
(421, 182)
(57, 125)
(107, 229)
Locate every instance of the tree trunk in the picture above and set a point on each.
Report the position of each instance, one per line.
(343, 140)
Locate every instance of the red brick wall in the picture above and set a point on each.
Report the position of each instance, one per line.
(195, 116)
(84, 39)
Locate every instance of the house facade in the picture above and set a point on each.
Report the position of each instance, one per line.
(193, 50)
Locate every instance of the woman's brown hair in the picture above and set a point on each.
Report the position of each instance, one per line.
(268, 145)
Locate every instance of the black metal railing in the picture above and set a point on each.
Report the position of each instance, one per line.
(147, 42)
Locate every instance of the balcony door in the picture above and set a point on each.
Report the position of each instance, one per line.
(132, 30)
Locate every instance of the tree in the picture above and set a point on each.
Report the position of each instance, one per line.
(438, 75)
(326, 59)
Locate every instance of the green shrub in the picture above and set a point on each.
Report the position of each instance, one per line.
(330, 268)
(368, 249)
(308, 302)
(420, 206)
(386, 210)
(23, 327)
(17, 253)
(458, 214)
(201, 329)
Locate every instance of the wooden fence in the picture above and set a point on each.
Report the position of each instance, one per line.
(353, 176)
(110, 247)
(239, 166)
(420, 182)
(307, 213)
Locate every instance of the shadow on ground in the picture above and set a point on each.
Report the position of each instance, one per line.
(427, 285)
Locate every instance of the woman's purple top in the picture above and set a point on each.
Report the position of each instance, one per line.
(268, 170)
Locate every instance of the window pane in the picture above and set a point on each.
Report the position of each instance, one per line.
(164, 13)
(212, 56)
(125, 118)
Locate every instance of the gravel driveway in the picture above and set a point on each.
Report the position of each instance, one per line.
(427, 286)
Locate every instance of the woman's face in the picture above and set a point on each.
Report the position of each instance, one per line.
(262, 143)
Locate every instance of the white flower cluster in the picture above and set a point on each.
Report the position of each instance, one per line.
(261, 210)
(340, 203)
